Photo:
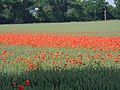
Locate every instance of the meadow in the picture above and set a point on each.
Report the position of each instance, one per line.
(60, 56)
(73, 27)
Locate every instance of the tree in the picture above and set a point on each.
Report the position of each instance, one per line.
(16, 11)
(5, 14)
(20, 10)
(59, 9)
(48, 10)
(29, 11)
(117, 9)
(100, 6)
(110, 12)
(75, 10)
(1, 12)
(89, 10)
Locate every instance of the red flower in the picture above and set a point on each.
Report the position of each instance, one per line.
(43, 55)
(66, 60)
(20, 87)
(51, 53)
(60, 63)
(110, 55)
(55, 41)
(35, 57)
(66, 54)
(116, 60)
(4, 51)
(71, 62)
(27, 82)
(13, 83)
(80, 62)
(4, 61)
(6, 56)
(28, 58)
(57, 54)
(79, 55)
(31, 65)
(53, 61)
(91, 57)
(18, 57)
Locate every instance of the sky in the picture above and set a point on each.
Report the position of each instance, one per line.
(111, 2)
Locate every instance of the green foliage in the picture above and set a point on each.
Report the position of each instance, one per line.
(23, 11)
(117, 9)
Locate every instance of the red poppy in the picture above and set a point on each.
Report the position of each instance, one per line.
(13, 83)
(110, 55)
(71, 62)
(79, 55)
(31, 65)
(116, 60)
(105, 43)
(67, 60)
(53, 61)
(20, 87)
(35, 57)
(4, 51)
(80, 62)
(60, 63)
(27, 82)
(4, 61)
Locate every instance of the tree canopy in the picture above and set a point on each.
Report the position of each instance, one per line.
(30, 11)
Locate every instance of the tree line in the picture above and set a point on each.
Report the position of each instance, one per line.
(31, 11)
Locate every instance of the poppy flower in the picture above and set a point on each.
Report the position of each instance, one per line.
(79, 55)
(31, 65)
(20, 87)
(13, 83)
(67, 60)
(4, 61)
(116, 60)
(4, 51)
(27, 82)
(53, 61)
(80, 62)
(60, 63)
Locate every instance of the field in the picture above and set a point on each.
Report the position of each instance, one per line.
(60, 56)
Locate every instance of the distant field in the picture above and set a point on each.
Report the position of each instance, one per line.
(111, 27)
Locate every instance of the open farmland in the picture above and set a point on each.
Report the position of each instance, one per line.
(60, 56)
(112, 28)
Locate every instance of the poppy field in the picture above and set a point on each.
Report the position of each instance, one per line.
(60, 61)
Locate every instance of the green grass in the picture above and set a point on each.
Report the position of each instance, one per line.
(97, 26)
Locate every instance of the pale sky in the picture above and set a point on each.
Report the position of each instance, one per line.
(111, 2)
